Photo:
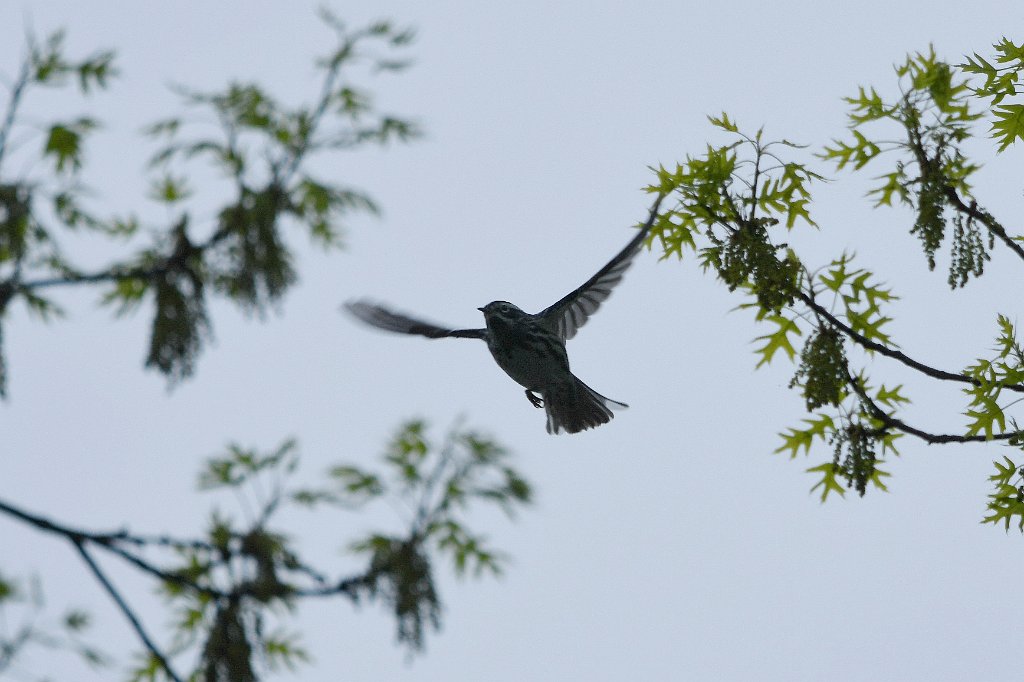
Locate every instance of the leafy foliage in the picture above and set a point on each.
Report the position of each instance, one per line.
(1006, 502)
(262, 149)
(27, 629)
(990, 377)
(732, 204)
(438, 483)
(228, 587)
(1001, 81)
(822, 370)
(931, 171)
(232, 588)
(736, 202)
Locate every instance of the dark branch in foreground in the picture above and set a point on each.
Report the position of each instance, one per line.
(113, 275)
(125, 609)
(925, 162)
(890, 422)
(112, 541)
(985, 219)
(899, 356)
(109, 542)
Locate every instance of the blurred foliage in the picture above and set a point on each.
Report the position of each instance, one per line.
(228, 587)
(437, 484)
(261, 147)
(25, 630)
(737, 201)
(233, 589)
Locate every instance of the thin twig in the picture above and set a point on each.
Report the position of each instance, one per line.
(890, 422)
(112, 275)
(899, 356)
(109, 542)
(972, 211)
(12, 104)
(916, 145)
(79, 544)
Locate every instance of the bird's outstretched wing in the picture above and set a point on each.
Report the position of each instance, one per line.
(569, 314)
(382, 318)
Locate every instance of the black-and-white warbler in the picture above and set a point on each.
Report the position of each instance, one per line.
(531, 348)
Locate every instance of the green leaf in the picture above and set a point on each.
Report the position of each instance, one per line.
(8, 590)
(859, 153)
(876, 479)
(64, 143)
(356, 483)
(283, 650)
(148, 669)
(127, 294)
(828, 483)
(779, 339)
(894, 185)
(169, 190)
(891, 397)
(724, 123)
(408, 451)
(798, 209)
(42, 308)
(48, 63)
(986, 418)
(1004, 472)
(166, 127)
(1007, 499)
(867, 106)
(76, 620)
(95, 71)
(1009, 124)
(819, 427)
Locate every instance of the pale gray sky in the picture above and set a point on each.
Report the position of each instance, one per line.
(668, 545)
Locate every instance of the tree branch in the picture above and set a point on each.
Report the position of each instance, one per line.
(10, 648)
(985, 219)
(899, 356)
(112, 275)
(79, 544)
(108, 541)
(12, 104)
(891, 422)
(916, 145)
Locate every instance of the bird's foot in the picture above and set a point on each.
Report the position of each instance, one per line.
(534, 399)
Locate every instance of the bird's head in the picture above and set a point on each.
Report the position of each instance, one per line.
(501, 311)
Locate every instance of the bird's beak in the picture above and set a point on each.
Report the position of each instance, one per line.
(480, 309)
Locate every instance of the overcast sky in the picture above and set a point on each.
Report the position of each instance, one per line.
(669, 544)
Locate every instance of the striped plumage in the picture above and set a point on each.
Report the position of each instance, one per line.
(530, 348)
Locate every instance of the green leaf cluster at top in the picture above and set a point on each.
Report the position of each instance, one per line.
(734, 196)
(924, 130)
(262, 148)
(732, 201)
(1002, 81)
(26, 627)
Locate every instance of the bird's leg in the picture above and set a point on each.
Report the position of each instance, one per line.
(534, 399)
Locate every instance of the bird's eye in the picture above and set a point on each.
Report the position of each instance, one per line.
(505, 307)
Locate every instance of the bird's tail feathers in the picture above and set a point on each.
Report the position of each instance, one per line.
(575, 407)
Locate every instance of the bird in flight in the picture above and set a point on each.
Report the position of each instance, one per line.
(531, 348)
